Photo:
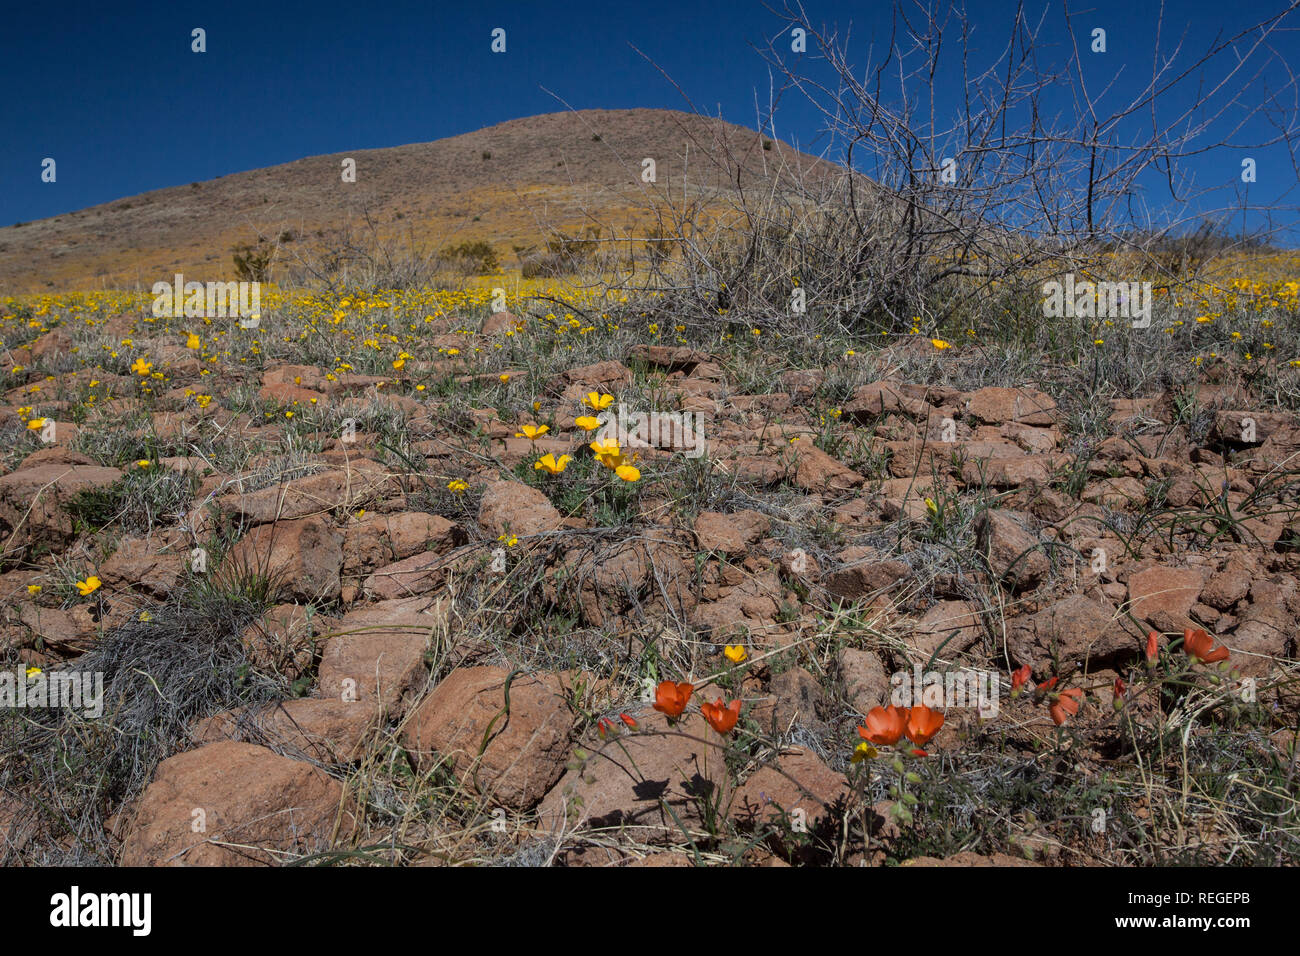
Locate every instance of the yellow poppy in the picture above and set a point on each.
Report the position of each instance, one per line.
(550, 463)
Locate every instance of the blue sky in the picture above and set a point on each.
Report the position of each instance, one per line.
(114, 94)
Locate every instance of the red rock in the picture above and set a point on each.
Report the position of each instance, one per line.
(254, 808)
(870, 402)
(1265, 633)
(645, 575)
(998, 405)
(948, 628)
(304, 556)
(797, 696)
(54, 455)
(499, 323)
(671, 358)
(1230, 585)
(152, 565)
(730, 533)
(816, 790)
(602, 376)
(1163, 596)
(32, 502)
(864, 572)
(348, 487)
(628, 781)
(54, 344)
(521, 509)
(419, 574)
(283, 394)
(1118, 494)
(966, 858)
(281, 641)
(1015, 555)
(747, 612)
(865, 680)
(526, 749)
(817, 471)
(332, 731)
(381, 539)
(1076, 630)
(378, 655)
(1006, 472)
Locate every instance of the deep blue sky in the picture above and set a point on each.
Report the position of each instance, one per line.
(113, 93)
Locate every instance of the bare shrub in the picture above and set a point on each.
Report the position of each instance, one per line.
(923, 216)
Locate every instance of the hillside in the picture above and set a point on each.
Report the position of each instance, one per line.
(506, 184)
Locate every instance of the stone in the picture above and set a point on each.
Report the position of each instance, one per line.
(345, 488)
(376, 654)
(816, 789)
(865, 680)
(149, 565)
(863, 572)
(304, 555)
(515, 507)
(797, 698)
(1163, 596)
(331, 731)
(381, 539)
(526, 748)
(280, 641)
(817, 471)
(996, 406)
(947, 629)
(257, 808)
(1015, 555)
(626, 782)
(33, 503)
(730, 533)
(1075, 630)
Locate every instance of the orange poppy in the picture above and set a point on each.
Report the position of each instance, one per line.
(885, 725)
(1153, 647)
(721, 717)
(627, 719)
(1200, 645)
(922, 724)
(1066, 705)
(671, 698)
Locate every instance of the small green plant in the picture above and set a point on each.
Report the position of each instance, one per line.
(252, 261)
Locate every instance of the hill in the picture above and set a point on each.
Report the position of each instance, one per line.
(507, 184)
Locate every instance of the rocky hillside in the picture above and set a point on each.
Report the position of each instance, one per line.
(507, 184)
(406, 600)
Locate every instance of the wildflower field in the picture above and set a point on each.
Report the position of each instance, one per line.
(383, 557)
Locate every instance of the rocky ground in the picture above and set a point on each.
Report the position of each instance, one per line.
(342, 616)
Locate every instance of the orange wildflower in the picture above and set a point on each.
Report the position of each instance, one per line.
(1018, 678)
(671, 698)
(922, 724)
(721, 718)
(1200, 645)
(1066, 705)
(884, 725)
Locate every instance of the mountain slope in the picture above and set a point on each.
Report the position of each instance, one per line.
(507, 184)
